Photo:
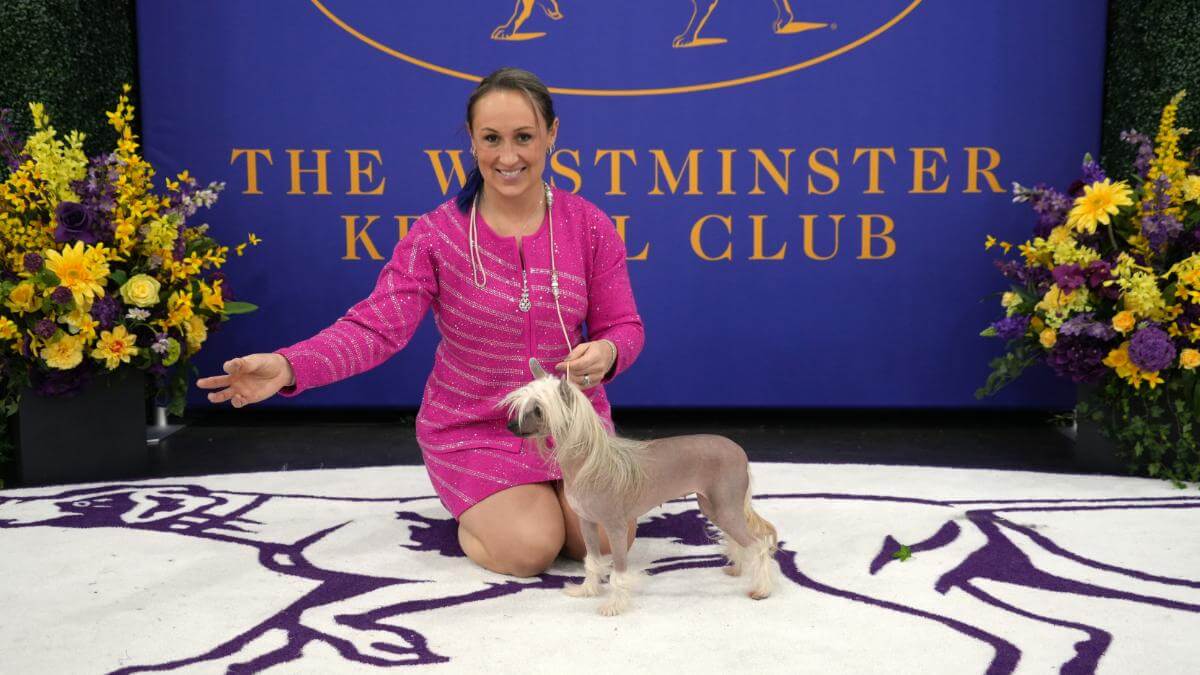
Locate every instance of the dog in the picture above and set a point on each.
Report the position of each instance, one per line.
(609, 481)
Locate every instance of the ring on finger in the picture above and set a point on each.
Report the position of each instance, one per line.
(587, 380)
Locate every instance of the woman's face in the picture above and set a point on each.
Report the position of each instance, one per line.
(510, 141)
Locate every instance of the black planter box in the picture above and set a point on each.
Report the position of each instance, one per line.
(96, 435)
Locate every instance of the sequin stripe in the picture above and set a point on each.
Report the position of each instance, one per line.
(420, 241)
(308, 353)
(439, 382)
(496, 259)
(442, 354)
(451, 328)
(562, 292)
(446, 447)
(445, 408)
(470, 472)
(488, 452)
(338, 334)
(463, 348)
(446, 263)
(397, 307)
(567, 307)
(451, 489)
(508, 316)
(478, 380)
(557, 351)
(486, 324)
(575, 331)
(578, 280)
(489, 290)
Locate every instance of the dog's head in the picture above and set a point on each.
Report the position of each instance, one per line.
(540, 406)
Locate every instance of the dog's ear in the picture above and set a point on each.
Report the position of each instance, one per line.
(564, 388)
(536, 369)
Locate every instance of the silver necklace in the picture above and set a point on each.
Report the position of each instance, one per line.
(479, 275)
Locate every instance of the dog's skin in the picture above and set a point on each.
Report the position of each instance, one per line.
(784, 24)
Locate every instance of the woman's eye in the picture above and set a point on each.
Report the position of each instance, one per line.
(524, 138)
(491, 138)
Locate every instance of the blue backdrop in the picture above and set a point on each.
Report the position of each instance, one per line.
(804, 203)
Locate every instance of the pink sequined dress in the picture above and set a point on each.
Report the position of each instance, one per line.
(486, 341)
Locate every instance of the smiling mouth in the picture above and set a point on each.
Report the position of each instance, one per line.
(510, 174)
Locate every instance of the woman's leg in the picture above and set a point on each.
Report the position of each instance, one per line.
(517, 531)
(574, 547)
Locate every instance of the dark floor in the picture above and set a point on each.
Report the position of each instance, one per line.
(234, 441)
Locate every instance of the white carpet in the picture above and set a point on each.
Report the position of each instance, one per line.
(347, 571)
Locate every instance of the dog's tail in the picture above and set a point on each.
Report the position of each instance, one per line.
(759, 526)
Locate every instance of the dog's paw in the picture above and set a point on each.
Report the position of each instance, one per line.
(584, 590)
(757, 594)
(732, 570)
(613, 607)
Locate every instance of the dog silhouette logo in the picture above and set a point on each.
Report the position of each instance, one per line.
(621, 47)
(785, 22)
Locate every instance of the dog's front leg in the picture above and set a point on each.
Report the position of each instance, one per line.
(593, 563)
(622, 580)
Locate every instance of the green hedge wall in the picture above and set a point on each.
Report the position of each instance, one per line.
(73, 56)
(1153, 51)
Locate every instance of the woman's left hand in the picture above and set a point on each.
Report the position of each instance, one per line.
(588, 363)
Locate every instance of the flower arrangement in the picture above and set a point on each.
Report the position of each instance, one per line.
(1107, 293)
(97, 270)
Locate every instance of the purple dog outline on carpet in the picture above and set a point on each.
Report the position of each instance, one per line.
(330, 612)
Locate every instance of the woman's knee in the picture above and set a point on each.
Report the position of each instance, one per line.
(519, 533)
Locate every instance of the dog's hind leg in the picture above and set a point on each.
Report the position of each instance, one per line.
(733, 551)
(756, 540)
(550, 7)
(593, 563)
(622, 580)
(521, 11)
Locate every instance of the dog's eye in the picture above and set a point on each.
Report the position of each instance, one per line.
(537, 412)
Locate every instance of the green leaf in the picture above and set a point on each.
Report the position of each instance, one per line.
(119, 278)
(990, 331)
(903, 554)
(236, 307)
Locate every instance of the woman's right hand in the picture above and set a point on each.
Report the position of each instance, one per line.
(249, 379)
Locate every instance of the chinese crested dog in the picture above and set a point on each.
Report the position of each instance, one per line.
(610, 481)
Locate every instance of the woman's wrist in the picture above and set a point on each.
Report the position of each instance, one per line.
(287, 368)
(612, 364)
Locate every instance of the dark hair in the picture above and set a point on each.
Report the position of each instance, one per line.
(508, 79)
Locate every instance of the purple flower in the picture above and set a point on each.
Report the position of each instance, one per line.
(106, 310)
(1151, 349)
(1011, 327)
(60, 382)
(1098, 272)
(1078, 357)
(75, 223)
(1145, 150)
(1051, 206)
(1092, 172)
(1068, 277)
(45, 329)
(62, 295)
(33, 263)
(1085, 324)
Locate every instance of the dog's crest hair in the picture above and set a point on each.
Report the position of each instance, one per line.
(606, 461)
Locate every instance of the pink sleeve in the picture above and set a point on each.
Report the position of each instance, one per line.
(612, 312)
(375, 328)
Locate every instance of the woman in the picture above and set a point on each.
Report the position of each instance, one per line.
(513, 269)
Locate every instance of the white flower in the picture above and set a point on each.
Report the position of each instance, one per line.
(138, 314)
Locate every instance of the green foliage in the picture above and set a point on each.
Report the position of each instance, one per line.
(1153, 51)
(1153, 428)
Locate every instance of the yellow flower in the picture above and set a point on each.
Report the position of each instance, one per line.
(1152, 378)
(1048, 337)
(254, 240)
(1006, 246)
(23, 298)
(1037, 324)
(196, 333)
(989, 242)
(63, 352)
(1124, 321)
(1191, 188)
(211, 297)
(141, 290)
(81, 322)
(179, 308)
(1189, 359)
(1100, 201)
(8, 329)
(240, 249)
(80, 270)
(115, 347)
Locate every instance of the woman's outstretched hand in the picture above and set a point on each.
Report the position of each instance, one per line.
(249, 379)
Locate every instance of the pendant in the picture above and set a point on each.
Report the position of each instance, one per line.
(524, 305)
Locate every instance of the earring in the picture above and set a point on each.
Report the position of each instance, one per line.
(551, 150)
(473, 153)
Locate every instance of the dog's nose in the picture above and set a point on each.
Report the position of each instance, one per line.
(514, 427)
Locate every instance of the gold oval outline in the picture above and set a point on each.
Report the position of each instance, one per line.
(631, 92)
